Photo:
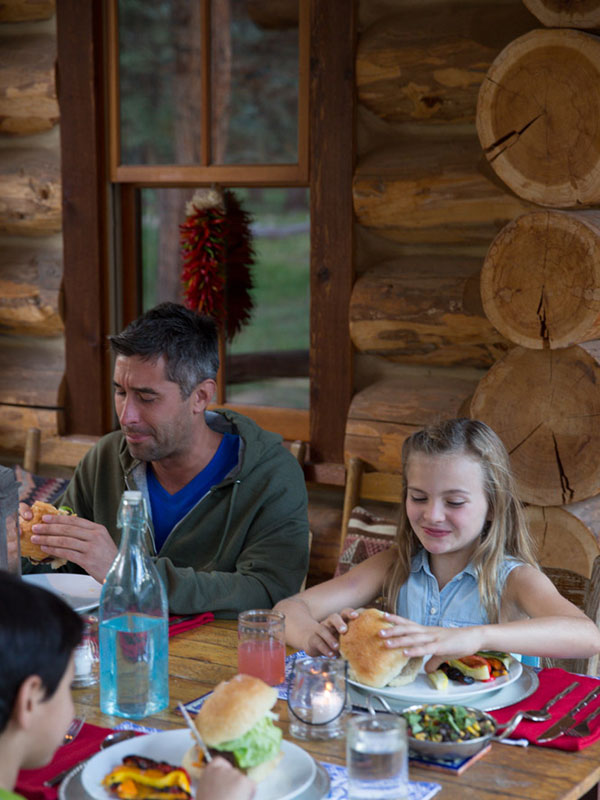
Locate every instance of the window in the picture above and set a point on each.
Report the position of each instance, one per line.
(201, 110)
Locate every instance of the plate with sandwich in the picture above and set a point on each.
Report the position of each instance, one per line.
(375, 669)
(236, 722)
(81, 592)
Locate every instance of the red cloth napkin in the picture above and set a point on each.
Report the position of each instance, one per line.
(179, 624)
(30, 781)
(551, 683)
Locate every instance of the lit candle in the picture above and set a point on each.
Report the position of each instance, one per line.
(326, 705)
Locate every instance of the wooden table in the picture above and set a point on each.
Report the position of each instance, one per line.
(200, 658)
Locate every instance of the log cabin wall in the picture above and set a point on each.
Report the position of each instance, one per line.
(31, 327)
(427, 206)
(432, 194)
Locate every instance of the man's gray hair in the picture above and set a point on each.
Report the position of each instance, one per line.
(188, 342)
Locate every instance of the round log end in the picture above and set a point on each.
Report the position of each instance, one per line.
(544, 405)
(538, 115)
(540, 279)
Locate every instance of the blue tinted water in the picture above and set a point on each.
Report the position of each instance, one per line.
(134, 661)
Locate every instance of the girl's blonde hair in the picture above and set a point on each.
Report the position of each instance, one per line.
(506, 534)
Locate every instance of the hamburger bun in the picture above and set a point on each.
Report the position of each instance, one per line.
(369, 660)
(33, 551)
(228, 713)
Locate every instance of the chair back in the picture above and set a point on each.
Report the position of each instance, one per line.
(585, 594)
(55, 455)
(362, 484)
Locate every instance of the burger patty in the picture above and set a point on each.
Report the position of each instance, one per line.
(226, 754)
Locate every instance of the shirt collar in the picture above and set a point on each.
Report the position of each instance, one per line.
(420, 563)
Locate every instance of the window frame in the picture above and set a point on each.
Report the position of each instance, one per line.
(93, 301)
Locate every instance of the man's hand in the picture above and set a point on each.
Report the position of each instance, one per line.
(85, 543)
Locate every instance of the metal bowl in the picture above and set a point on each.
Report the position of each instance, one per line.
(452, 750)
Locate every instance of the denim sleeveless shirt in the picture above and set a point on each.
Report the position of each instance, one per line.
(456, 605)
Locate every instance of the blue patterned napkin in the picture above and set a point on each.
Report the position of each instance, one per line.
(417, 790)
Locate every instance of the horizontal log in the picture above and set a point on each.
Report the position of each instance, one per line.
(538, 115)
(540, 279)
(545, 405)
(381, 416)
(30, 189)
(566, 13)
(567, 536)
(30, 280)
(26, 10)
(424, 310)
(28, 101)
(423, 191)
(427, 64)
(291, 423)
(31, 371)
(245, 367)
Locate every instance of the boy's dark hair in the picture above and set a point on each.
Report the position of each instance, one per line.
(188, 342)
(38, 633)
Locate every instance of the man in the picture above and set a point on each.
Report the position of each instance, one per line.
(227, 502)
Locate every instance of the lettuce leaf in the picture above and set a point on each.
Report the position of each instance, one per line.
(260, 743)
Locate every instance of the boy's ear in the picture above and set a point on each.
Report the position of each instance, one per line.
(30, 695)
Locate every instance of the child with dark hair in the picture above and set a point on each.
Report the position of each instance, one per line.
(38, 634)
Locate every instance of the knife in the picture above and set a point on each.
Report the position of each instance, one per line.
(195, 732)
(568, 720)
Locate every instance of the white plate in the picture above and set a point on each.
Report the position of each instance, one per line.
(421, 690)
(81, 592)
(71, 788)
(295, 772)
(511, 694)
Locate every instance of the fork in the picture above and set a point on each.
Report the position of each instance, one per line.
(583, 728)
(74, 728)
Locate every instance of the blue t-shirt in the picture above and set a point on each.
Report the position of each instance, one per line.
(168, 509)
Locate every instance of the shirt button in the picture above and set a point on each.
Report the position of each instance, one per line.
(433, 610)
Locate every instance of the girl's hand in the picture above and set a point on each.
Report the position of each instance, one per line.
(323, 641)
(422, 640)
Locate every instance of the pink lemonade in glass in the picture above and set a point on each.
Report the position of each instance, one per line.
(261, 645)
(262, 658)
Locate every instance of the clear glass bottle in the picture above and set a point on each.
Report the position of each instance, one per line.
(133, 624)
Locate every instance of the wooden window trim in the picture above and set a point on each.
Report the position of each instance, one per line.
(85, 224)
(206, 172)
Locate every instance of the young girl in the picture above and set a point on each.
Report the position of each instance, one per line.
(462, 576)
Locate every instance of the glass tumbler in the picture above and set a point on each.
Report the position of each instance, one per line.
(377, 757)
(317, 698)
(261, 645)
(86, 654)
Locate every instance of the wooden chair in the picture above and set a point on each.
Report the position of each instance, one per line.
(585, 594)
(383, 487)
(59, 454)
